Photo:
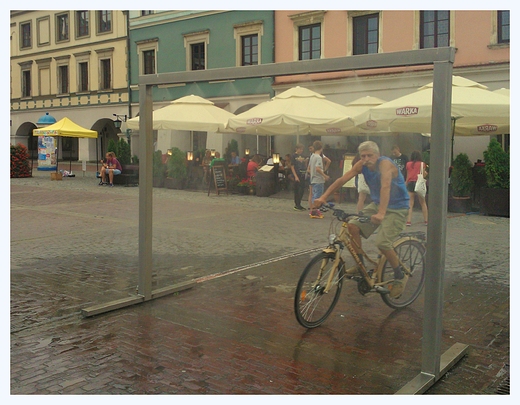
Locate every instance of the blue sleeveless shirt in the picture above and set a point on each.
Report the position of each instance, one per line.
(398, 194)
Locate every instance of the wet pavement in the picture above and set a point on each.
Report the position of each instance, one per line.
(74, 244)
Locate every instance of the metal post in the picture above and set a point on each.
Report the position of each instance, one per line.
(438, 202)
(434, 366)
(145, 191)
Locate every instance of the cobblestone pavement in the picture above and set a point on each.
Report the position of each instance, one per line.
(74, 244)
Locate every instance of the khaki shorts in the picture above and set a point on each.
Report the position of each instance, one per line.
(393, 224)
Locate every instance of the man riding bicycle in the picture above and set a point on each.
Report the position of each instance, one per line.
(389, 206)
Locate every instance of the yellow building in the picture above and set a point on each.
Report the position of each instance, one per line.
(69, 64)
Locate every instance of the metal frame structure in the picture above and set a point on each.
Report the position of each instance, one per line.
(434, 366)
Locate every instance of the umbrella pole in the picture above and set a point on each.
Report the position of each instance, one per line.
(452, 137)
(57, 150)
(70, 159)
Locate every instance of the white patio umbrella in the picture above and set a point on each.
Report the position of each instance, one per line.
(296, 111)
(190, 113)
(358, 106)
(474, 111)
(503, 91)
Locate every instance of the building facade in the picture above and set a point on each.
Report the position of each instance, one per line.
(86, 65)
(481, 39)
(176, 41)
(69, 64)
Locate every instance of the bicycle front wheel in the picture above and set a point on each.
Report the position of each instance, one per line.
(315, 298)
(411, 253)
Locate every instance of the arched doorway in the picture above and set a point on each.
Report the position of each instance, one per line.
(106, 132)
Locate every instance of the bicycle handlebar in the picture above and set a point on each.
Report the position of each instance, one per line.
(344, 216)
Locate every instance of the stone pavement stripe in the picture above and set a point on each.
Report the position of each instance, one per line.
(253, 265)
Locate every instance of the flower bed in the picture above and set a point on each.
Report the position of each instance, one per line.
(20, 161)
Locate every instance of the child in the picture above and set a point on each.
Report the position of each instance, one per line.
(317, 177)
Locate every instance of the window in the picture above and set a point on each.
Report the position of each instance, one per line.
(83, 76)
(62, 27)
(149, 62)
(435, 29)
(195, 44)
(104, 23)
(26, 83)
(105, 74)
(365, 36)
(248, 43)
(308, 34)
(198, 56)
(25, 30)
(82, 23)
(63, 79)
(249, 50)
(43, 31)
(309, 42)
(503, 26)
(146, 12)
(147, 51)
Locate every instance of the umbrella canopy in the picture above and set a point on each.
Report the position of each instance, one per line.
(65, 127)
(190, 113)
(474, 111)
(293, 112)
(361, 105)
(503, 91)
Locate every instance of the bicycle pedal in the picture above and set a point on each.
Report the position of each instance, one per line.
(381, 290)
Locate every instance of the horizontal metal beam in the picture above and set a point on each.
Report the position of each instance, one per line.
(136, 299)
(356, 62)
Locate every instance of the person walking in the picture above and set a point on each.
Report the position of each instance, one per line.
(413, 168)
(326, 164)
(317, 177)
(298, 169)
(361, 195)
(399, 159)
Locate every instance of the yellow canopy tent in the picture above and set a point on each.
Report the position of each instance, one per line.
(68, 128)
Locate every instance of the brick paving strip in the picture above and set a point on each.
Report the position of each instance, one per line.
(74, 244)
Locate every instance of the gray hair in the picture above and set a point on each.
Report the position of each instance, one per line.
(369, 145)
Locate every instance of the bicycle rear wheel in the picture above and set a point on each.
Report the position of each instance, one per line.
(411, 253)
(312, 305)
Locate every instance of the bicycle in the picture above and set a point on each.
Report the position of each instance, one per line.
(319, 286)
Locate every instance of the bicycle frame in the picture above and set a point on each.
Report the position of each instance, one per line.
(345, 238)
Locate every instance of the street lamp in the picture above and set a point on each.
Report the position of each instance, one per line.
(189, 158)
(119, 119)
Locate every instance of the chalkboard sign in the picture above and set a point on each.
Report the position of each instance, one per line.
(219, 179)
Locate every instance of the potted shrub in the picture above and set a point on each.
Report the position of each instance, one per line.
(461, 184)
(177, 172)
(494, 198)
(159, 169)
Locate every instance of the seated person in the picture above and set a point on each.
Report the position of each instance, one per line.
(235, 160)
(112, 167)
(252, 166)
(217, 161)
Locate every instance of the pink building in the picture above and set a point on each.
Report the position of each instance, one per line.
(481, 39)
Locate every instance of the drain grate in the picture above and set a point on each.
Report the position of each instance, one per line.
(503, 388)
